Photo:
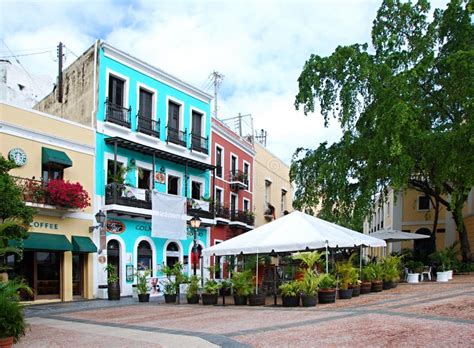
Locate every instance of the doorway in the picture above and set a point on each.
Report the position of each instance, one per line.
(77, 275)
(113, 255)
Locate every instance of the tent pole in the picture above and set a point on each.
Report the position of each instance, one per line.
(327, 260)
(256, 276)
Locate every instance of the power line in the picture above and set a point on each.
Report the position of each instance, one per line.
(26, 54)
(71, 51)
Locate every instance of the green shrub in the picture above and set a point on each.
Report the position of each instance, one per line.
(12, 320)
(193, 286)
(142, 284)
(347, 272)
(391, 267)
(291, 288)
(309, 285)
(242, 283)
(211, 287)
(326, 281)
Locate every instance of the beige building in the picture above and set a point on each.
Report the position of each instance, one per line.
(49, 151)
(273, 192)
(411, 211)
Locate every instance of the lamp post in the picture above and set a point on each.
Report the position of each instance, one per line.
(195, 223)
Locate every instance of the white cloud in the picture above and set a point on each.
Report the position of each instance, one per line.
(260, 47)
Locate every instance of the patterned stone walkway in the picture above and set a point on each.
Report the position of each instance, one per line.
(422, 315)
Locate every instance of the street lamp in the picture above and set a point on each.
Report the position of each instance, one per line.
(100, 218)
(195, 223)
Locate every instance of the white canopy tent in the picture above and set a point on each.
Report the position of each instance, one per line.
(293, 232)
(397, 236)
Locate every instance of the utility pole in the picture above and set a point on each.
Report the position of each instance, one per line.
(60, 72)
(217, 80)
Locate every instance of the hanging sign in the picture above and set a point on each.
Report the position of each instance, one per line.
(115, 226)
(160, 178)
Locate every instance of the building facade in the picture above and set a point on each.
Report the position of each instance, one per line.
(152, 136)
(412, 211)
(233, 157)
(273, 192)
(58, 254)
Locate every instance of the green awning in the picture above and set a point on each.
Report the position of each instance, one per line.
(55, 156)
(83, 245)
(44, 241)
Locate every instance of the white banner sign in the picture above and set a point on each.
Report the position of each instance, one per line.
(169, 219)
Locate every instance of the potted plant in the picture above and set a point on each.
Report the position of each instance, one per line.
(365, 283)
(441, 258)
(192, 294)
(242, 285)
(414, 270)
(290, 294)
(210, 292)
(113, 281)
(66, 194)
(391, 271)
(348, 276)
(12, 320)
(142, 286)
(452, 258)
(309, 288)
(257, 299)
(226, 286)
(327, 288)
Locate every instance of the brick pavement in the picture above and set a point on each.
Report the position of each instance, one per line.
(421, 315)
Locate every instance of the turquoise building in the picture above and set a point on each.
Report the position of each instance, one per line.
(152, 135)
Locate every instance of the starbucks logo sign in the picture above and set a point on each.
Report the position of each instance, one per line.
(18, 156)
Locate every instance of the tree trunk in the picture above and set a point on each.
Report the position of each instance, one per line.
(435, 227)
(461, 228)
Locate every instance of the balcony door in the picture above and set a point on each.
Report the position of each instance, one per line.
(146, 100)
(197, 129)
(173, 116)
(116, 90)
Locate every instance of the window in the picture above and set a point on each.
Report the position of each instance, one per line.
(196, 190)
(283, 201)
(246, 205)
(197, 123)
(116, 90)
(52, 171)
(219, 162)
(233, 164)
(145, 109)
(144, 257)
(233, 202)
(144, 179)
(173, 185)
(172, 254)
(247, 173)
(268, 185)
(110, 172)
(423, 203)
(173, 115)
(218, 197)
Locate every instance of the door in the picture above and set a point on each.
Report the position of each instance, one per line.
(113, 255)
(47, 274)
(173, 116)
(197, 128)
(116, 91)
(145, 104)
(77, 275)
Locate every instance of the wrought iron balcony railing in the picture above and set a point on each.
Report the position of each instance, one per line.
(238, 179)
(123, 195)
(199, 144)
(222, 211)
(117, 114)
(148, 126)
(243, 216)
(176, 136)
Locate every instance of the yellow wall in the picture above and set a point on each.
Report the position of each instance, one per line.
(32, 131)
(269, 167)
(411, 212)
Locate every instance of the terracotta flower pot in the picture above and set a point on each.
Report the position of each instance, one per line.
(6, 342)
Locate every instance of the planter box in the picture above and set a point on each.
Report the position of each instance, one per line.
(309, 301)
(450, 274)
(377, 286)
(113, 291)
(365, 288)
(170, 298)
(193, 299)
(442, 277)
(143, 297)
(345, 294)
(327, 296)
(208, 299)
(240, 300)
(290, 301)
(413, 278)
(257, 299)
(356, 291)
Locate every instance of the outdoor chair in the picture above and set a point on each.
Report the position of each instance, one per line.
(426, 271)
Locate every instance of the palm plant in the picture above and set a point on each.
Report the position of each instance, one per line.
(347, 273)
(391, 268)
(12, 320)
(242, 283)
(308, 258)
(309, 285)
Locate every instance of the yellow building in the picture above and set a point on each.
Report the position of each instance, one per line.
(58, 253)
(411, 211)
(273, 192)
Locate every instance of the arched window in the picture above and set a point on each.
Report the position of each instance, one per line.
(172, 254)
(113, 254)
(144, 257)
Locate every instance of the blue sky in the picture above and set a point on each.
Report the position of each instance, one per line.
(260, 47)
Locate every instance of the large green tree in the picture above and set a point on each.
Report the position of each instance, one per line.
(405, 105)
(15, 216)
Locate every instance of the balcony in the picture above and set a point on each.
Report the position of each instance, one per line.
(244, 217)
(117, 114)
(176, 136)
(121, 194)
(199, 144)
(53, 194)
(238, 180)
(222, 212)
(200, 208)
(148, 126)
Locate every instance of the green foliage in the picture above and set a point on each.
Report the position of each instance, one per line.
(326, 281)
(291, 288)
(403, 104)
(175, 277)
(12, 320)
(112, 274)
(309, 285)
(373, 272)
(414, 266)
(193, 286)
(391, 267)
(142, 284)
(15, 216)
(211, 287)
(347, 272)
(309, 258)
(242, 283)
